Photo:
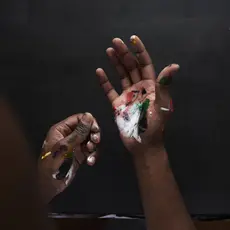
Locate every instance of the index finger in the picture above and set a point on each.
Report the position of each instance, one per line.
(144, 59)
(82, 130)
(67, 126)
(106, 85)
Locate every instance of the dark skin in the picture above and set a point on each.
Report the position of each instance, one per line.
(21, 206)
(162, 202)
(78, 134)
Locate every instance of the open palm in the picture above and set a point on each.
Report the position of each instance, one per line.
(141, 109)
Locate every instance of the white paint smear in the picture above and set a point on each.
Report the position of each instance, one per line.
(70, 174)
(128, 127)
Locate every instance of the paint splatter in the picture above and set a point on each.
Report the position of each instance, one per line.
(69, 155)
(55, 154)
(131, 118)
(131, 96)
(143, 124)
(166, 80)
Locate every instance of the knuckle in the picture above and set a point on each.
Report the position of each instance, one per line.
(82, 129)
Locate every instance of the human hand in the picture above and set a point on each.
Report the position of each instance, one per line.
(144, 105)
(68, 143)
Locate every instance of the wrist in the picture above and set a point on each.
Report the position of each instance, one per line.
(155, 150)
(152, 157)
(47, 189)
(147, 149)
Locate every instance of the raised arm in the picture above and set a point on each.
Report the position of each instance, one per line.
(140, 113)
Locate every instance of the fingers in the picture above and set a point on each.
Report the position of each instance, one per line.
(91, 152)
(163, 97)
(165, 76)
(106, 85)
(86, 129)
(67, 126)
(81, 131)
(124, 76)
(147, 68)
(128, 59)
(67, 145)
(91, 146)
(95, 130)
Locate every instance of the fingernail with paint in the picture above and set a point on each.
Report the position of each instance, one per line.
(165, 80)
(90, 146)
(133, 39)
(87, 118)
(94, 138)
(91, 160)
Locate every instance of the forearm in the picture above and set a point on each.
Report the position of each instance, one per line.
(47, 189)
(162, 202)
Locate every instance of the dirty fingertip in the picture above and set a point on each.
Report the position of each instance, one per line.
(91, 160)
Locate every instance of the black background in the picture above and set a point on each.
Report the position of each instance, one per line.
(49, 51)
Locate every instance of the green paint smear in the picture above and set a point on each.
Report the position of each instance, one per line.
(69, 155)
(165, 80)
(145, 105)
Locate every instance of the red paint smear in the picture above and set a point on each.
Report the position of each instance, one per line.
(171, 106)
(129, 97)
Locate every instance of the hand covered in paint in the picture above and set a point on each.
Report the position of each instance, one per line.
(142, 108)
(67, 145)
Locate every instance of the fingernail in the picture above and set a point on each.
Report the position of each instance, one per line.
(119, 40)
(166, 80)
(95, 138)
(90, 146)
(87, 118)
(91, 160)
(133, 39)
(175, 65)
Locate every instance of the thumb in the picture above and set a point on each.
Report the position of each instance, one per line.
(78, 136)
(82, 130)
